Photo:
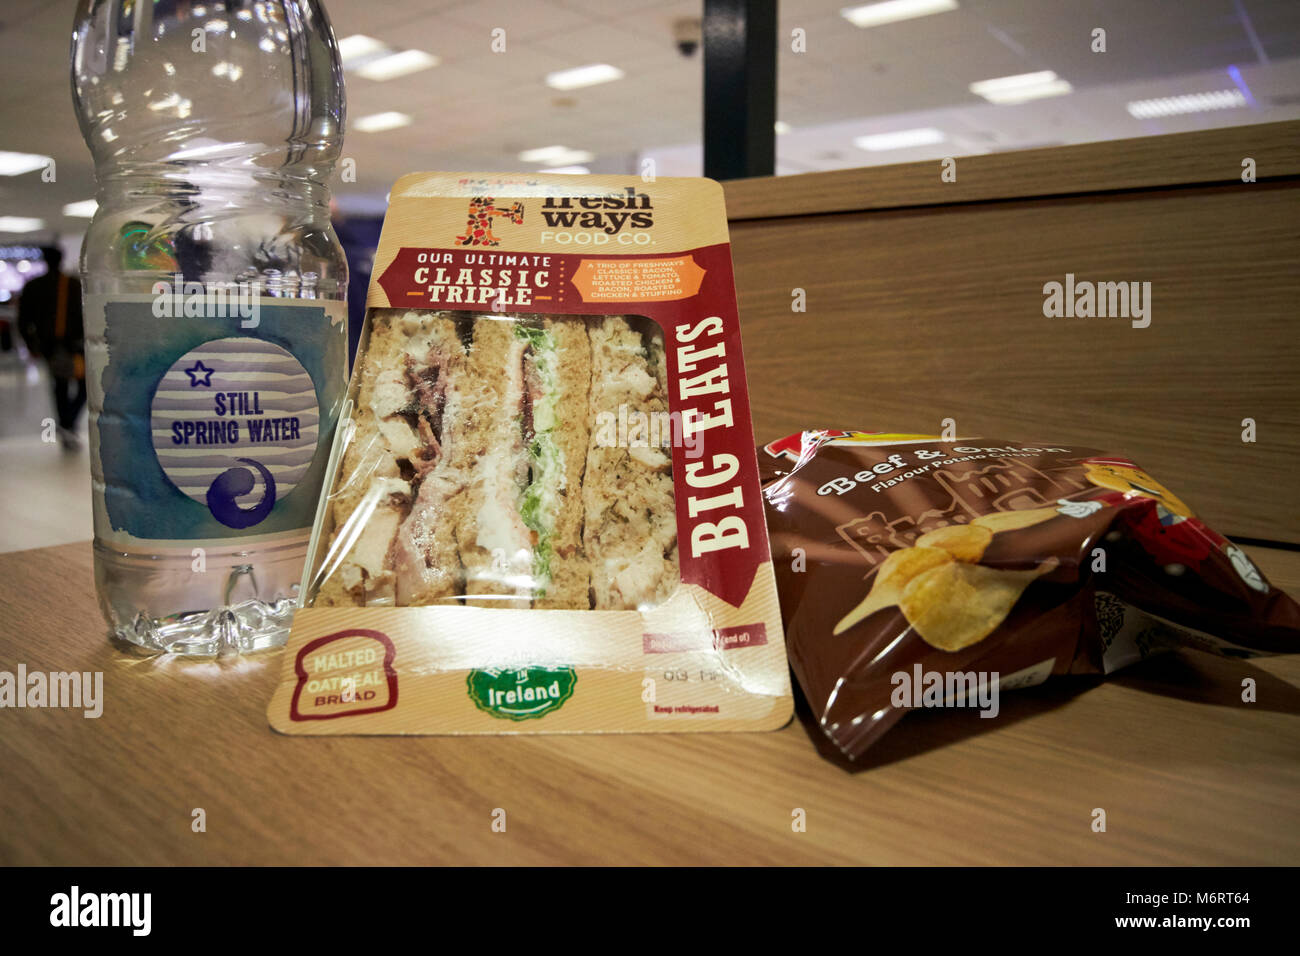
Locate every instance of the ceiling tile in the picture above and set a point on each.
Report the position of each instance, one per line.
(521, 21)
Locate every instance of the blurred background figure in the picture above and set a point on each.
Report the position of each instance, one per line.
(49, 318)
(359, 236)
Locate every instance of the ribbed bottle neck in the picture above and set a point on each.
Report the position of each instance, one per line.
(246, 186)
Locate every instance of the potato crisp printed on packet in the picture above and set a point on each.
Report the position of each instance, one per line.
(906, 555)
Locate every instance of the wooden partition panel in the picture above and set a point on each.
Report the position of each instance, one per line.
(935, 310)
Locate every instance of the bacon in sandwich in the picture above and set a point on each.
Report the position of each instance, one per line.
(399, 417)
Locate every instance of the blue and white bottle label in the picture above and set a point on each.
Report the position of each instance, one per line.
(205, 431)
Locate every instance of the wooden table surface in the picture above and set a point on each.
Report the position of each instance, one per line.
(1186, 772)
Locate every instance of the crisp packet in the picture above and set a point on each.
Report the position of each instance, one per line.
(916, 571)
(543, 510)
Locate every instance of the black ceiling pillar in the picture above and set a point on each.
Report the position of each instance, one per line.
(739, 88)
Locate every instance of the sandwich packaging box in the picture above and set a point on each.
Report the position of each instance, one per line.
(543, 510)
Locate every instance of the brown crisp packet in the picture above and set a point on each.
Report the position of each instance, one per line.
(919, 571)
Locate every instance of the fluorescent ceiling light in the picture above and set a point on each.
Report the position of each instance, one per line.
(20, 224)
(556, 156)
(1187, 103)
(378, 122)
(1021, 87)
(542, 154)
(780, 127)
(874, 14)
(15, 164)
(358, 47)
(82, 210)
(570, 170)
(397, 64)
(922, 136)
(581, 76)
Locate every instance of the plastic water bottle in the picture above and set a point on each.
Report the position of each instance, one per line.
(216, 328)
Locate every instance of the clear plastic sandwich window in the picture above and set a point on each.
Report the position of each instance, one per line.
(503, 460)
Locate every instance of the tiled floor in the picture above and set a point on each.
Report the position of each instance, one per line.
(46, 497)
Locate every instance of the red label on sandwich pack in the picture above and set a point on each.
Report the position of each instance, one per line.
(722, 535)
(478, 280)
(343, 675)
